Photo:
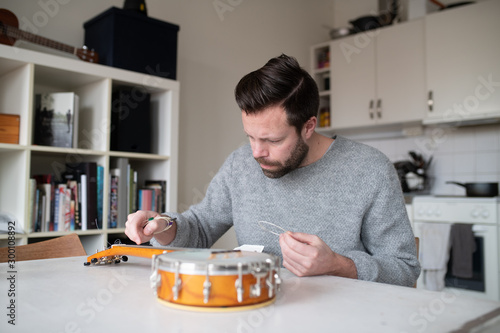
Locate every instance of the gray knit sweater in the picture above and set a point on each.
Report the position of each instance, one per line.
(351, 198)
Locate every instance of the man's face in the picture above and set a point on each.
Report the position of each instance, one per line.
(276, 146)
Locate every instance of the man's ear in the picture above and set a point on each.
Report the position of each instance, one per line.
(309, 127)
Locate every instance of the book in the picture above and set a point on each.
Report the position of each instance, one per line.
(113, 198)
(132, 190)
(37, 212)
(88, 180)
(100, 189)
(161, 192)
(62, 220)
(72, 179)
(65, 222)
(133, 199)
(145, 197)
(122, 166)
(57, 202)
(32, 205)
(56, 120)
(46, 186)
(84, 196)
(75, 204)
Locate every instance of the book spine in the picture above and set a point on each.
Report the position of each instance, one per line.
(100, 189)
(113, 198)
(67, 209)
(84, 196)
(57, 202)
(91, 171)
(122, 164)
(32, 207)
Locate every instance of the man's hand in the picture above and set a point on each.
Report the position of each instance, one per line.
(140, 230)
(307, 255)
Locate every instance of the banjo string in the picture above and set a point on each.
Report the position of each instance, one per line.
(262, 225)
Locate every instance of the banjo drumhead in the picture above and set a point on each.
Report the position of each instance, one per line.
(204, 279)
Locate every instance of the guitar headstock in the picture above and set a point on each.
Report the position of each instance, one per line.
(87, 54)
(108, 256)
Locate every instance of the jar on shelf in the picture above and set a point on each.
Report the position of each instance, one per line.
(324, 117)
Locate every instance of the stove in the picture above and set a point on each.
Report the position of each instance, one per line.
(456, 209)
(483, 214)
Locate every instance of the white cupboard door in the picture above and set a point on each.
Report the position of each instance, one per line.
(401, 93)
(463, 61)
(352, 80)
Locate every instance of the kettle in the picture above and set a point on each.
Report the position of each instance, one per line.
(413, 173)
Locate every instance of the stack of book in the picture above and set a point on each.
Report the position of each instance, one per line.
(71, 203)
(125, 197)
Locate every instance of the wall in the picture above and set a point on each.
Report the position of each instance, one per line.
(464, 154)
(219, 42)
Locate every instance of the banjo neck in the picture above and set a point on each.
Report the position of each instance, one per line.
(117, 253)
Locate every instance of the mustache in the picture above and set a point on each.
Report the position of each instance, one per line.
(261, 160)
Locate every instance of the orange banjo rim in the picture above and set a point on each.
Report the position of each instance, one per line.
(232, 308)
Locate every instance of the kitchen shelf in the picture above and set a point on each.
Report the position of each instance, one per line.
(25, 73)
(321, 73)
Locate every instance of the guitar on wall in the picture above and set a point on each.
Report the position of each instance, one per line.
(9, 34)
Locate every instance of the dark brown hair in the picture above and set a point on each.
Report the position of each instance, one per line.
(280, 82)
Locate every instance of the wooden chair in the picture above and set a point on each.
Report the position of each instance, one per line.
(60, 247)
(417, 243)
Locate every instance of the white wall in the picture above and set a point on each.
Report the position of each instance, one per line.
(463, 154)
(219, 42)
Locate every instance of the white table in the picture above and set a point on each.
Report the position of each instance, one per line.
(62, 295)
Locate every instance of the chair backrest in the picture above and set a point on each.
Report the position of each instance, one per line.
(60, 247)
(417, 243)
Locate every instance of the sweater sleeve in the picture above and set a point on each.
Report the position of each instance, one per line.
(204, 223)
(390, 249)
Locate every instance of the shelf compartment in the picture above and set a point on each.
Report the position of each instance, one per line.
(15, 94)
(13, 177)
(93, 102)
(164, 122)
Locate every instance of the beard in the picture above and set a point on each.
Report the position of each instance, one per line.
(297, 156)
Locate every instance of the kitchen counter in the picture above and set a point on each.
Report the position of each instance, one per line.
(63, 295)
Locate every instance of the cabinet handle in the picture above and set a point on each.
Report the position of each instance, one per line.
(379, 108)
(430, 101)
(371, 109)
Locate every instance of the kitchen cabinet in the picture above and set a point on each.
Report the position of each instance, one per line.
(377, 77)
(25, 73)
(462, 63)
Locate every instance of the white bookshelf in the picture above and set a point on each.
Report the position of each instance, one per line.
(25, 73)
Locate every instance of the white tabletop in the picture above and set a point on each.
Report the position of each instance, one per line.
(63, 295)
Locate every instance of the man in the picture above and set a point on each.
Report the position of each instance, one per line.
(340, 201)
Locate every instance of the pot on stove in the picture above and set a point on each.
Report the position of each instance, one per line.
(478, 189)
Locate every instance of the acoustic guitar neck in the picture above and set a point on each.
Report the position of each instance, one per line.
(15, 33)
(9, 33)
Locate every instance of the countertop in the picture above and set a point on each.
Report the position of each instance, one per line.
(63, 295)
